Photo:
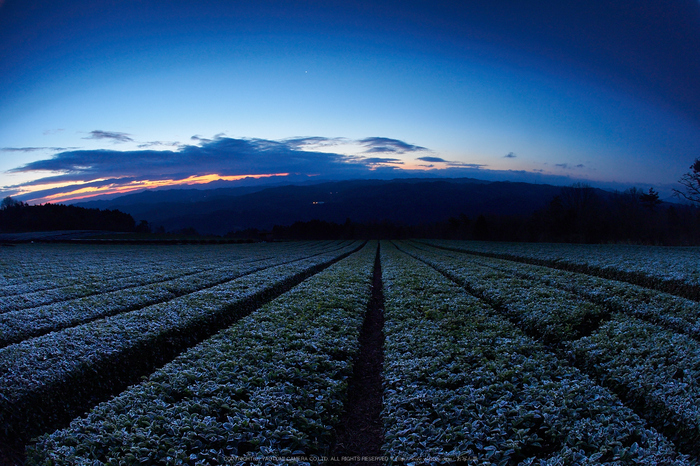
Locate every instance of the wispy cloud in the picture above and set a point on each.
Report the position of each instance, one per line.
(567, 166)
(315, 142)
(35, 149)
(110, 135)
(200, 139)
(476, 166)
(21, 149)
(432, 159)
(380, 161)
(53, 131)
(509, 155)
(450, 163)
(381, 145)
(145, 145)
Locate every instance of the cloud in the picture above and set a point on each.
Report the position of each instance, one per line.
(35, 149)
(223, 156)
(379, 145)
(209, 160)
(509, 155)
(451, 163)
(314, 142)
(112, 135)
(196, 137)
(52, 131)
(566, 166)
(476, 166)
(431, 159)
(379, 160)
(159, 144)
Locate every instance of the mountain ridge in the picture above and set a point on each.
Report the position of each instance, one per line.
(402, 201)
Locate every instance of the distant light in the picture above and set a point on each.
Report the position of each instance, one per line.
(318, 202)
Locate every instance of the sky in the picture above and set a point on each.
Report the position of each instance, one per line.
(99, 97)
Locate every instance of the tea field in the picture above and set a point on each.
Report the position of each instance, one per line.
(493, 353)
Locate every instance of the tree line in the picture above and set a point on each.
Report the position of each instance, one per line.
(16, 216)
(578, 215)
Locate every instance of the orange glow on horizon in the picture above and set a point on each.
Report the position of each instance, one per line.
(412, 166)
(113, 188)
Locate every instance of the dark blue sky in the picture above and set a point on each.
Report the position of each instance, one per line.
(118, 95)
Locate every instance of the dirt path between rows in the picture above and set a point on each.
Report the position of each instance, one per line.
(360, 433)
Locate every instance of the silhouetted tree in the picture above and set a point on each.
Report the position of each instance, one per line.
(9, 202)
(143, 227)
(481, 229)
(458, 227)
(557, 221)
(627, 215)
(650, 199)
(582, 213)
(691, 182)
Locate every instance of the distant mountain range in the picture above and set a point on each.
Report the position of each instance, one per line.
(401, 201)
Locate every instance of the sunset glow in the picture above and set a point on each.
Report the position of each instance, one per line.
(88, 192)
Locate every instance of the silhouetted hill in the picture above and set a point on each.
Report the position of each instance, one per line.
(405, 201)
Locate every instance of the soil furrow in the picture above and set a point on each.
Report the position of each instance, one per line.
(360, 433)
